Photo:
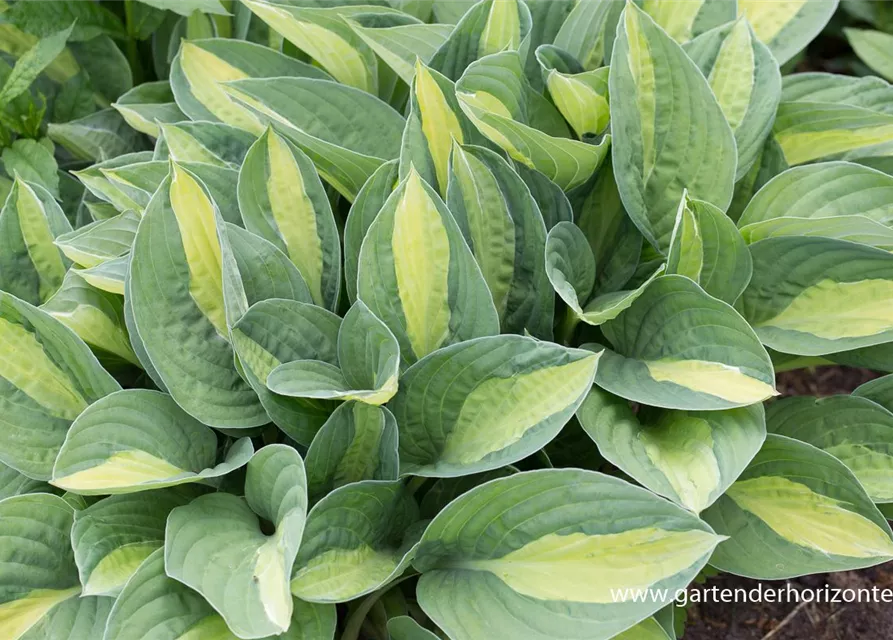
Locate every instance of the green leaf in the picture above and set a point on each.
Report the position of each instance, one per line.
(177, 272)
(206, 142)
(34, 163)
(679, 348)
(282, 200)
(100, 241)
(47, 378)
(684, 21)
(487, 27)
(215, 544)
(277, 331)
(111, 538)
(96, 316)
(814, 296)
(153, 606)
(358, 442)
(368, 359)
(201, 65)
(143, 107)
(97, 137)
(690, 457)
(868, 92)
(83, 617)
(797, 510)
(31, 266)
(365, 208)
(496, 96)
(400, 45)
(98, 184)
(746, 81)
(32, 63)
(37, 570)
(707, 248)
(504, 228)
(13, 483)
(787, 26)
(582, 98)
(666, 122)
(107, 451)
(587, 33)
(356, 540)
(484, 557)
(406, 628)
(874, 48)
(108, 276)
(90, 19)
(570, 265)
(346, 132)
(854, 430)
(485, 403)
(418, 276)
(188, 7)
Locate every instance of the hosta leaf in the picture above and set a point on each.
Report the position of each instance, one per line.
(83, 617)
(108, 276)
(188, 7)
(33, 161)
(787, 26)
(582, 98)
(504, 228)
(208, 142)
(153, 606)
(874, 48)
(445, 490)
(854, 430)
(327, 38)
(356, 540)
(824, 190)
(418, 276)
(879, 390)
(143, 107)
(201, 65)
(485, 403)
(37, 570)
(100, 241)
(614, 239)
(363, 211)
(47, 377)
(177, 272)
(282, 199)
(358, 442)
(868, 92)
(594, 536)
(277, 331)
(496, 96)
(488, 27)
(648, 629)
(13, 483)
(97, 137)
(853, 228)
(96, 316)
(797, 510)
(666, 123)
(401, 45)
(678, 347)
(570, 265)
(97, 183)
(406, 628)
(813, 296)
(435, 120)
(746, 81)
(691, 457)
(684, 20)
(770, 162)
(112, 537)
(31, 266)
(587, 33)
(108, 449)
(707, 248)
(215, 544)
(368, 358)
(346, 132)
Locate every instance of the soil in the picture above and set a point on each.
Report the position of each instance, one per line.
(793, 620)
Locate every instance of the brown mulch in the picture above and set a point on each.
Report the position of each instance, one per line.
(792, 620)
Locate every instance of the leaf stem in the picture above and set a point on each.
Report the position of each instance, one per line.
(567, 327)
(133, 53)
(355, 621)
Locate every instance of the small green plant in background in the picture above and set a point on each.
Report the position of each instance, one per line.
(431, 318)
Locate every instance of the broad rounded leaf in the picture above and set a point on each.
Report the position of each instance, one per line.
(136, 440)
(100, 241)
(76, 618)
(485, 403)
(551, 554)
(678, 347)
(797, 510)
(787, 26)
(144, 106)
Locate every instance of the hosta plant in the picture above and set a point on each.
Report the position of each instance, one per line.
(434, 318)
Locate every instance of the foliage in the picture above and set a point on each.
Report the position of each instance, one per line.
(423, 319)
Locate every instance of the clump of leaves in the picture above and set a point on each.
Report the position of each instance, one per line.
(433, 318)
